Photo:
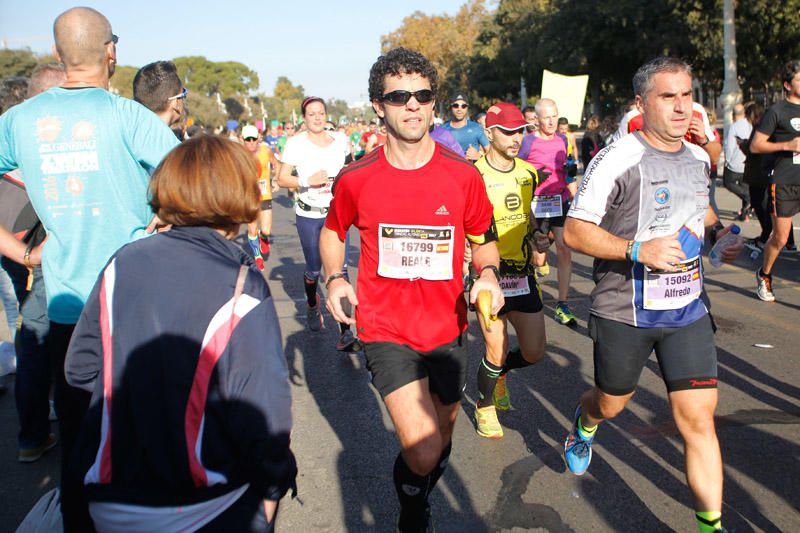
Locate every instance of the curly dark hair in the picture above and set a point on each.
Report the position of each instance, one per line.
(396, 62)
(790, 70)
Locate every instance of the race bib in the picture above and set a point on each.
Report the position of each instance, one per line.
(547, 206)
(263, 186)
(673, 290)
(412, 252)
(514, 286)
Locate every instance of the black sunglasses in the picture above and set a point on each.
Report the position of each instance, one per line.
(459, 106)
(423, 96)
(250, 139)
(114, 39)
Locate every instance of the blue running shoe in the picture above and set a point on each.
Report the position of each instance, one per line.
(577, 449)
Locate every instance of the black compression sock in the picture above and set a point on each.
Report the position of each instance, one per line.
(441, 466)
(412, 492)
(311, 292)
(514, 360)
(487, 378)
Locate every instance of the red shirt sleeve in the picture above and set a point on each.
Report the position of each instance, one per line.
(342, 211)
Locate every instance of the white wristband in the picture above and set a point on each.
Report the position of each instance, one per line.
(302, 181)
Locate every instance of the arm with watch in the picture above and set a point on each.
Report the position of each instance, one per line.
(707, 142)
(486, 260)
(332, 251)
(18, 251)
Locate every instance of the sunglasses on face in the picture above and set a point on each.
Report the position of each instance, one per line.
(114, 39)
(459, 106)
(250, 139)
(423, 96)
(330, 129)
(180, 96)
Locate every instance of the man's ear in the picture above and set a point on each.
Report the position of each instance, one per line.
(378, 108)
(56, 54)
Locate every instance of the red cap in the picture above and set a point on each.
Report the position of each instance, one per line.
(506, 116)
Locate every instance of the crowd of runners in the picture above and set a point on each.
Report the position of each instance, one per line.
(159, 337)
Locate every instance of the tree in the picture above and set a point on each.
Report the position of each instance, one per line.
(16, 63)
(121, 82)
(229, 78)
(446, 41)
(204, 110)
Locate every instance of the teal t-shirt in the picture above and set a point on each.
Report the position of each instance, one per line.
(86, 156)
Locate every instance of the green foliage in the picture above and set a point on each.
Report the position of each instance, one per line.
(229, 78)
(16, 63)
(204, 110)
(448, 42)
(122, 81)
(488, 51)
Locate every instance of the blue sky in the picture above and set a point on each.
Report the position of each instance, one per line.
(328, 47)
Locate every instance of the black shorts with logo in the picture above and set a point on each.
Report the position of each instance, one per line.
(524, 303)
(395, 365)
(686, 355)
(785, 200)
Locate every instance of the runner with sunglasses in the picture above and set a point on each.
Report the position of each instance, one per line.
(410, 310)
(468, 133)
(317, 155)
(510, 183)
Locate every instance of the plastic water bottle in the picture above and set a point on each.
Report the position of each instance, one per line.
(715, 255)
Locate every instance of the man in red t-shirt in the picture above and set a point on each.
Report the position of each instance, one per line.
(411, 313)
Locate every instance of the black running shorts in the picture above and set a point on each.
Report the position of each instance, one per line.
(686, 355)
(785, 200)
(395, 365)
(525, 303)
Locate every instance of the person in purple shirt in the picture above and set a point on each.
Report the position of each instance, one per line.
(446, 139)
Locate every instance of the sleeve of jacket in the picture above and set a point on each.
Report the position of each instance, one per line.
(85, 354)
(258, 397)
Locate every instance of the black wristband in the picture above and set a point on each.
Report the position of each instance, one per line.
(712, 232)
(493, 269)
(629, 251)
(338, 275)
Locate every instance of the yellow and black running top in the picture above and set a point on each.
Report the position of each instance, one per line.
(511, 193)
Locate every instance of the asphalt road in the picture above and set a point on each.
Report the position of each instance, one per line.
(345, 444)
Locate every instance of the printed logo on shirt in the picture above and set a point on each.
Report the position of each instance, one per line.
(513, 201)
(48, 129)
(411, 490)
(442, 210)
(662, 195)
(795, 122)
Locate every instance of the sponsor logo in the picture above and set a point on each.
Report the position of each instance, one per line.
(74, 185)
(795, 122)
(662, 195)
(513, 201)
(48, 129)
(661, 217)
(702, 382)
(659, 182)
(442, 210)
(411, 490)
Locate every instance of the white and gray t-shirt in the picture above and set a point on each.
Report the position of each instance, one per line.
(637, 192)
